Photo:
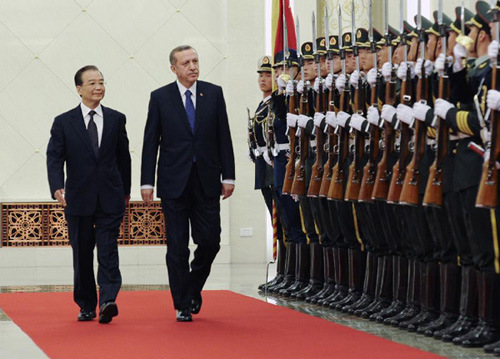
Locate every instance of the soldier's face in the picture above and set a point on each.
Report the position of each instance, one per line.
(363, 58)
(324, 66)
(452, 40)
(383, 56)
(412, 54)
(431, 47)
(309, 70)
(399, 54)
(265, 81)
(186, 67)
(350, 63)
(337, 64)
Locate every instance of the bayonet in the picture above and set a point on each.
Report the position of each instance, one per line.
(341, 42)
(327, 41)
(353, 35)
(462, 17)
(285, 40)
(315, 47)
(299, 55)
(373, 45)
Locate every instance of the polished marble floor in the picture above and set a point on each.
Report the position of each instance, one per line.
(241, 278)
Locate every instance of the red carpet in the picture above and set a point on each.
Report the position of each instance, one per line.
(229, 326)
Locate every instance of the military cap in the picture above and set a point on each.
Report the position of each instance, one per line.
(377, 37)
(481, 18)
(291, 56)
(434, 29)
(393, 34)
(347, 42)
(362, 39)
(307, 51)
(264, 64)
(457, 24)
(320, 46)
(334, 44)
(409, 30)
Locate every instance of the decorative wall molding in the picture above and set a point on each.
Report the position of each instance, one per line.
(43, 224)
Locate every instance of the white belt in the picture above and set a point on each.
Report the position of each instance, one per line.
(261, 149)
(430, 141)
(281, 146)
(313, 143)
(459, 136)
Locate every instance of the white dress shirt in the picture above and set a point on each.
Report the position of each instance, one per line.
(98, 119)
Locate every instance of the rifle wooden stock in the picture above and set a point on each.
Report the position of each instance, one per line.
(487, 196)
(290, 166)
(331, 155)
(318, 166)
(434, 190)
(399, 169)
(355, 169)
(299, 180)
(370, 170)
(382, 181)
(336, 190)
(410, 192)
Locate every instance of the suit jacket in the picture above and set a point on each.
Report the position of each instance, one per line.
(167, 128)
(90, 178)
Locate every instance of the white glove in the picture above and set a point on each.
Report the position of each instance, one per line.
(371, 77)
(459, 53)
(317, 83)
(420, 111)
(329, 82)
(387, 71)
(403, 68)
(388, 112)
(354, 79)
(357, 122)
(441, 108)
(428, 67)
(331, 118)
(300, 87)
(404, 113)
(342, 118)
(303, 120)
(291, 120)
(266, 158)
(340, 82)
(373, 116)
(289, 88)
(493, 99)
(318, 118)
(493, 51)
(440, 63)
(281, 84)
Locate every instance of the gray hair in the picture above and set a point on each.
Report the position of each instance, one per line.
(180, 48)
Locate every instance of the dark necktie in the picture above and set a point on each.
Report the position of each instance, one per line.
(92, 130)
(190, 110)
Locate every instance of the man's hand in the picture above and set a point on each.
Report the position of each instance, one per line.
(227, 190)
(147, 195)
(127, 200)
(59, 195)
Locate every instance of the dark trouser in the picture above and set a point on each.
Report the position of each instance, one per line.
(345, 212)
(203, 213)
(85, 232)
(308, 223)
(442, 233)
(456, 218)
(268, 195)
(289, 214)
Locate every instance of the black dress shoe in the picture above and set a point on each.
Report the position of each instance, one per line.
(107, 312)
(86, 315)
(184, 315)
(196, 306)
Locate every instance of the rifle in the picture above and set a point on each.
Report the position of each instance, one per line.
(487, 196)
(251, 140)
(399, 169)
(292, 108)
(336, 190)
(370, 170)
(382, 181)
(355, 169)
(299, 181)
(434, 191)
(270, 135)
(410, 191)
(318, 166)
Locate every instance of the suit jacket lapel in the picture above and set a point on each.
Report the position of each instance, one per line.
(106, 127)
(176, 100)
(200, 106)
(79, 125)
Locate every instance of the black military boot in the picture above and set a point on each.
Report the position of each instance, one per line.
(383, 292)
(468, 307)
(316, 276)
(412, 299)
(430, 303)
(329, 274)
(341, 278)
(450, 300)
(400, 274)
(280, 269)
(368, 286)
(357, 262)
(290, 259)
(487, 331)
(301, 271)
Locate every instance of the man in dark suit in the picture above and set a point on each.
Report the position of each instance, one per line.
(92, 141)
(187, 121)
